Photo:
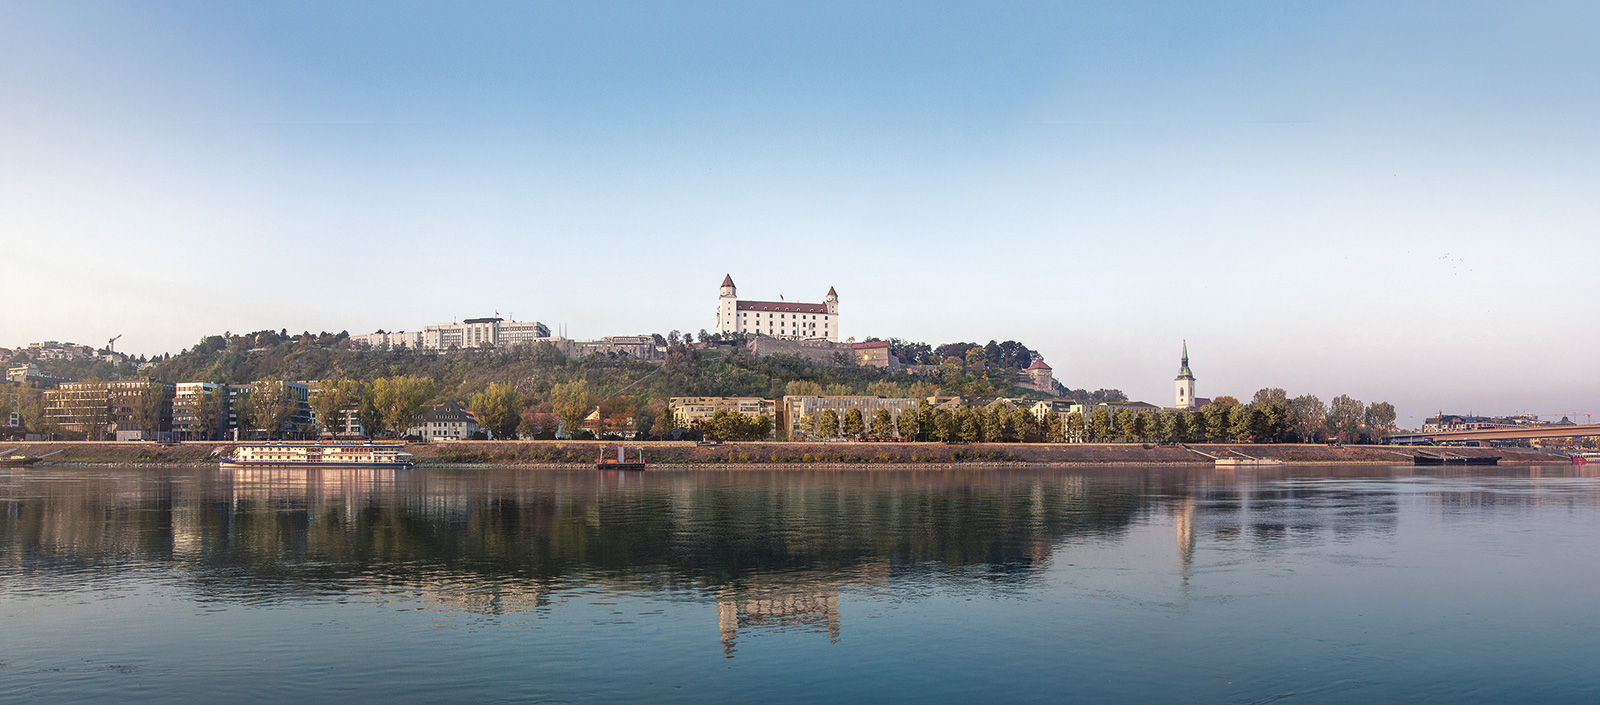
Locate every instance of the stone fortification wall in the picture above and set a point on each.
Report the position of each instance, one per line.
(822, 352)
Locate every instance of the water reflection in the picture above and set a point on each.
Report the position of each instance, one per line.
(771, 550)
(326, 530)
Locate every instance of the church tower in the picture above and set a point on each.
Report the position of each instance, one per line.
(1185, 382)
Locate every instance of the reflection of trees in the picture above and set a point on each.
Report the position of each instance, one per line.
(287, 529)
(512, 534)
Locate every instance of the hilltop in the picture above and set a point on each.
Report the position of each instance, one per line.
(708, 368)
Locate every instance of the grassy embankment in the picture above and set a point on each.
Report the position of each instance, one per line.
(672, 453)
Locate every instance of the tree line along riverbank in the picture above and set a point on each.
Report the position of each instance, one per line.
(767, 452)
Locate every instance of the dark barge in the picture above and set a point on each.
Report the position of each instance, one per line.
(1421, 458)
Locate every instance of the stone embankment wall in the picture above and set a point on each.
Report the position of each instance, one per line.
(665, 452)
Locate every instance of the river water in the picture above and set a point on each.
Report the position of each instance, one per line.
(1132, 584)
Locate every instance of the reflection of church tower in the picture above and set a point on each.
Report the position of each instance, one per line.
(1183, 517)
(1185, 382)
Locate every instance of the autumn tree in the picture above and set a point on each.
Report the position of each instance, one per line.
(808, 427)
(1100, 425)
(1239, 422)
(667, 419)
(802, 388)
(332, 398)
(1055, 428)
(615, 413)
(1269, 394)
(1345, 416)
(269, 406)
(93, 418)
(207, 407)
(1026, 427)
(907, 424)
(400, 399)
(1147, 425)
(828, 424)
(854, 424)
(540, 421)
(926, 419)
(1174, 426)
(572, 403)
(1379, 417)
(150, 406)
(1273, 426)
(1218, 420)
(944, 425)
(1074, 428)
(1124, 421)
(993, 421)
(368, 414)
(1307, 416)
(498, 408)
(971, 426)
(882, 424)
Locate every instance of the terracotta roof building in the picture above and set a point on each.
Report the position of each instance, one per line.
(875, 353)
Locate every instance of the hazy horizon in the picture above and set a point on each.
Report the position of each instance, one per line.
(1394, 202)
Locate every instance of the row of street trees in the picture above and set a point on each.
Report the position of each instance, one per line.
(392, 403)
(1271, 417)
(725, 425)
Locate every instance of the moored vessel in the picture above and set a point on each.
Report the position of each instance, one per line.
(621, 463)
(324, 454)
(1246, 460)
(1443, 458)
(10, 459)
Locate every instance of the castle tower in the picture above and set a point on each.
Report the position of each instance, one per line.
(832, 300)
(728, 306)
(1185, 382)
(1041, 377)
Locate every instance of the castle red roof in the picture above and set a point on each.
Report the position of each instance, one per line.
(830, 292)
(727, 280)
(776, 306)
(1038, 365)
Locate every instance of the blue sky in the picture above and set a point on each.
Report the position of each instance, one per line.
(1389, 200)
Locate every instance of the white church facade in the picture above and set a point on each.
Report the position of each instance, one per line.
(786, 320)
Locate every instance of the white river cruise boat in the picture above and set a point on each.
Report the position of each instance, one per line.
(318, 455)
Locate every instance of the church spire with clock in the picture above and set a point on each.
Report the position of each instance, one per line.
(1185, 382)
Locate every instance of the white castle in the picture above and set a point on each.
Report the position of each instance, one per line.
(788, 320)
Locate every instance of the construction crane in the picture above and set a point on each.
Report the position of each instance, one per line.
(1588, 418)
(111, 345)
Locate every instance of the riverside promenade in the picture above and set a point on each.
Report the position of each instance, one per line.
(452, 453)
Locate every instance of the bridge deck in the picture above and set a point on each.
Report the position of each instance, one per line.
(1501, 434)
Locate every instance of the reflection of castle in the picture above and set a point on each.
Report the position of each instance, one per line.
(795, 608)
(800, 603)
